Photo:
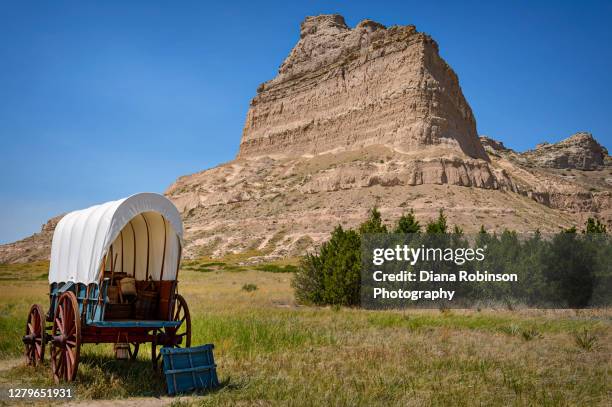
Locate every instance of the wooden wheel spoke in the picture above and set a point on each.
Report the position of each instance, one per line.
(66, 322)
(60, 324)
(60, 360)
(63, 370)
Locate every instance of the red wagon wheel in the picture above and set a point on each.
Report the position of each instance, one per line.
(178, 337)
(181, 336)
(66, 342)
(34, 338)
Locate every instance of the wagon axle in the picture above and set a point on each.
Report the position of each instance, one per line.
(29, 339)
(59, 340)
(167, 339)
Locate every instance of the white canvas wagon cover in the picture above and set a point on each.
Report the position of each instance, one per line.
(140, 235)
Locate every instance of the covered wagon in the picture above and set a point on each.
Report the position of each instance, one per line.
(112, 279)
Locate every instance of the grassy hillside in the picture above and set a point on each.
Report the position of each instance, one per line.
(269, 350)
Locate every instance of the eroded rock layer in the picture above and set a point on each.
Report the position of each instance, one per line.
(343, 88)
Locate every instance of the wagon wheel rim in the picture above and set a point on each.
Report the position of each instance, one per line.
(66, 333)
(182, 334)
(35, 329)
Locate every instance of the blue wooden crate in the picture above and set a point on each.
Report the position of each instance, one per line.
(189, 369)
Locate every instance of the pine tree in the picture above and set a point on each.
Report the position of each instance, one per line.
(595, 226)
(408, 224)
(439, 225)
(374, 224)
(333, 275)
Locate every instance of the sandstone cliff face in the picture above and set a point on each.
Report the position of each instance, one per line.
(343, 88)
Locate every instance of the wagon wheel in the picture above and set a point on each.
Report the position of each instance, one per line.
(34, 338)
(181, 336)
(66, 338)
(174, 337)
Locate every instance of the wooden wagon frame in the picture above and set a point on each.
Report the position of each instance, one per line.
(139, 237)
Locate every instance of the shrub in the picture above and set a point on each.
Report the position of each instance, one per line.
(407, 224)
(439, 225)
(569, 270)
(569, 265)
(530, 333)
(595, 226)
(275, 268)
(374, 224)
(585, 339)
(512, 330)
(249, 287)
(333, 275)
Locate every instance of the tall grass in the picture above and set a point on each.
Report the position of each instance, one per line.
(270, 351)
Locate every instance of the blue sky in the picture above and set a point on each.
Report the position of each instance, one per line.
(101, 100)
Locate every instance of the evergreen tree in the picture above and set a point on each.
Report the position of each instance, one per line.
(439, 225)
(374, 224)
(568, 264)
(408, 224)
(333, 275)
(595, 226)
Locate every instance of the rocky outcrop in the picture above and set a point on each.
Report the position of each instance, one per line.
(343, 88)
(580, 151)
(493, 146)
(467, 173)
(32, 248)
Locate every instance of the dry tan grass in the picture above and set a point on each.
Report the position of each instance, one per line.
(271, 351)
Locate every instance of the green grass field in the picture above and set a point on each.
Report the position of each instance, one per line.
(271, 351)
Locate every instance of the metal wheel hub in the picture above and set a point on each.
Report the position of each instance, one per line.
(60, 340)
(29, 339)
